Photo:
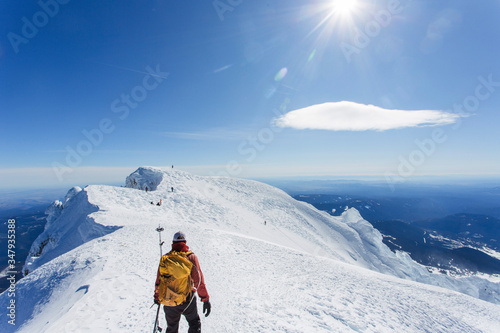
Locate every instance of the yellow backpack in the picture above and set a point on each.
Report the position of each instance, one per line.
(175, 278)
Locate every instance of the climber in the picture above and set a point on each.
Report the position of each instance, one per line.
(179, 277)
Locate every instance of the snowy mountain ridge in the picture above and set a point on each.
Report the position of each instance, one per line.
(93, 268)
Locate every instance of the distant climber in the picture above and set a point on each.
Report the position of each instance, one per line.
(172, 166)
(146, 188)
(159, 203)
(172, 189)
(265, 222)
(179, 277)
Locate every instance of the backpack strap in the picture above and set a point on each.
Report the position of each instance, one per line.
(187, 254)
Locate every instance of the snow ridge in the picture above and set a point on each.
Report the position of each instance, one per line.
(68, 226)
(93, 268)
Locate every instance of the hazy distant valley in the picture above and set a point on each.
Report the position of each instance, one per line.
(452, 230)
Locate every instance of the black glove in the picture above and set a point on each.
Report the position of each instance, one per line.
(206, 308)
(157, 301)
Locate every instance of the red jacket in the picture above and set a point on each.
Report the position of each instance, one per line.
(196, 273)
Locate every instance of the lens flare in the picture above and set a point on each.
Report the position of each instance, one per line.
(311, 56)
(281, 74)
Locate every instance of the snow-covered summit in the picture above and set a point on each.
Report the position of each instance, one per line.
(71, 193)
(145, 178)
(271, 263)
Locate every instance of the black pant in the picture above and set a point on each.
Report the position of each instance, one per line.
(189, 310)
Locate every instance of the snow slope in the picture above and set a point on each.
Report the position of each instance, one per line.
(304, 271)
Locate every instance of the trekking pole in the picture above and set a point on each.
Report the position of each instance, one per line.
(160, 229)
(156, 327)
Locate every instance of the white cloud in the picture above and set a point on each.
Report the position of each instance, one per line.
(350, 116)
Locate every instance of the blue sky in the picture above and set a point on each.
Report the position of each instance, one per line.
(91, 90)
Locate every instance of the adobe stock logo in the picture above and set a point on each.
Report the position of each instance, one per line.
(425, 148)
(121, 107)
(30, 28)
(372, 29)
(223, 6)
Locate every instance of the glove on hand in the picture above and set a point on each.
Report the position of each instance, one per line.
(206, 308)
(156, 300)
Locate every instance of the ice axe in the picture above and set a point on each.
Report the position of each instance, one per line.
(160, 229)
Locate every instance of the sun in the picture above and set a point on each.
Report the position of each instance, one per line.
(336, 17)
(344, 7)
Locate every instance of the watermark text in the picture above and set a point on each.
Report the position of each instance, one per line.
(121, 107)
(31, 27)
(11, 273)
